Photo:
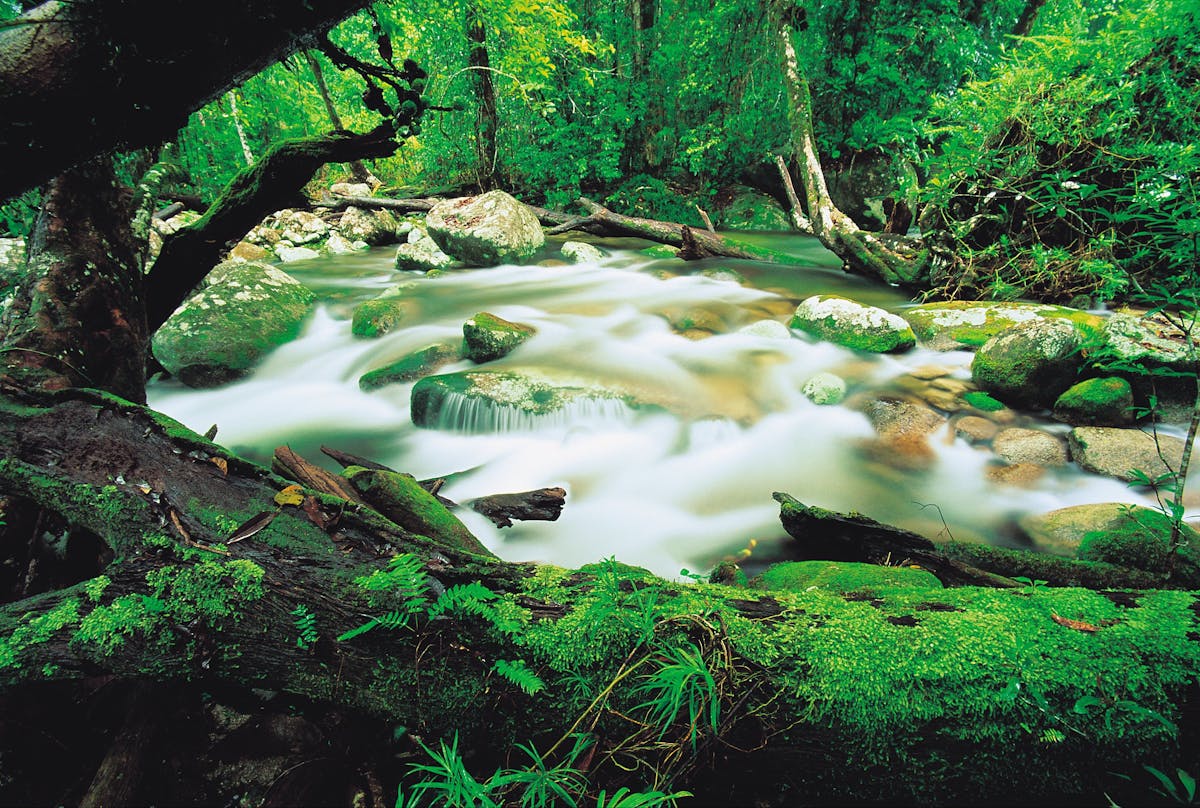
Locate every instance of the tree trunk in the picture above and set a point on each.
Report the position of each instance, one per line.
(889, 258)
(247, 155)
(857, 698)
(358, 170)
(485, 95)
(1029, 14)
(78, 318)
(85, 77)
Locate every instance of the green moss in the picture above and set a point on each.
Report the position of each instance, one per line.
(842, 576)
(849, 323)
(487, 337)
(96, 586)
(1140, 538)
(36, 629)
(982, 401)
(411, 367)
(374, 318)
(1106, 401)
(1058, 571)
(400, 498)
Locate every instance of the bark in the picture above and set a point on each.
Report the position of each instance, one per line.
(273, 183)
(1029, 15)
(358, 170)
(799, 220)
(78, 317)
(85, 77)
(543, 505)
(247, 155)
(890, 258)
(921, 675)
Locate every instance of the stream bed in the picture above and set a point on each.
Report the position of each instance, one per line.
(668, 489)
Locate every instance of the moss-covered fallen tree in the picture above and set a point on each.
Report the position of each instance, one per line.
(211, 572)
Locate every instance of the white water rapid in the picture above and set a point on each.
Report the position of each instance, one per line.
(681, 487)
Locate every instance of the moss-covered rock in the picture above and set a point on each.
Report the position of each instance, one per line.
(412, 366)
(487, 337)
(752, 210)
(375, 227)
(485, 230)
(824, 388)
(244, 311)
(1104, 401)
(846, 322)
(374, 318)
(578, 252)
(660, 251)
(1031, 364)
(843, 576)
(966, 324)
(421, 253)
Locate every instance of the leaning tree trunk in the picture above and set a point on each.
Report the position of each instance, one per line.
(885, 257)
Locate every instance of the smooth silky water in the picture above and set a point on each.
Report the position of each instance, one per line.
(673, 488)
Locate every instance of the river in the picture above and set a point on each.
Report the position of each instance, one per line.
(669, 491)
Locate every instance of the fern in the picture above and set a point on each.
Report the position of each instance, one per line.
(519, 675)
(306, 627)
(392, 621)
(472, 598)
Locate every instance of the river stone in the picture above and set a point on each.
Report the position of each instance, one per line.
(1147, 341)
(288, 254)
(420, 252)
(577, 252)
(769, 329)
(1031, 364)
(1018, 475)
(245, 251)
(1096, 402)
(1117, 452)
(376, 227)
(903, 433)
(846, 322)
(751, 210)
(380, 315)
(337, 244)
(974, 429)
(1105, 531)
(824, 388)
(222, 331)
(518, 394)
(301, 227)
(411, 367)
(958, 325)
(485, 230)
(487, 337)
(1015, 445)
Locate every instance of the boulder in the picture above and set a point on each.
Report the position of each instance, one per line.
(337, 244)
(485, 230)
(846, 322)
(752, 210)
(301, 227)
(1031, 364)
(577, 252)
(1015, 445)
(243, 311)
(375, 227)
(903, 433)
(974, 429)
(487, 337)
(1105, 401)
(959, 325)
(1118, 453)
(376, 317)
(416, 365)
(245, 251)
(359, 189)
(421, 253)
(287, 254)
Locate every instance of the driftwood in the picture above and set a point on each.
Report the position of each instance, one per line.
(824, 534)
(543, 505)
(287, 463)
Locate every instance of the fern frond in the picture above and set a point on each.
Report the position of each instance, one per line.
(519, 675)
(469, 598)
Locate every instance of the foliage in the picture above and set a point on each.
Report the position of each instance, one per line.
(1073, 170)
(18, 214)
(306, 627)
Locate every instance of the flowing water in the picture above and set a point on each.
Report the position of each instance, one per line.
(668, 489)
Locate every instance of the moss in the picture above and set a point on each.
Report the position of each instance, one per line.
(1140, 538)
(36, 629)
(374, 318)
(842, 576)
(411, 367)
(982, 401)
(969, 324)
(1106, 401)
(487, 337)
(1058, 571)
(853, 325)
(400, 498)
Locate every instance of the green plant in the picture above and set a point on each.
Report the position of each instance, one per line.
(306, 627)
(682, 683)
(518, 674)
(624, 798)
(1182, 792)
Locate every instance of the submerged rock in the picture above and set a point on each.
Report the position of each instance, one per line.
(1120, 452)
(770, 329)
(846, 322)
(485, 230)
(1016, 445)
(1031, 364)
(487, 337)
(577, 252)
(825, 388)
(413, 366)
(376, 317)
(243, 312)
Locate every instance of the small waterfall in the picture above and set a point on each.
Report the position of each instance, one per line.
(479, 416)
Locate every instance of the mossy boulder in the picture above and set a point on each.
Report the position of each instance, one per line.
(843, 576)
(752, 210)
(1106, 401)
(411, 367)
(487, 337)
(578, 252)
(852, 324)
(375, 227)
(374, 318)
(1120, 453)
(242, 313)
(1031, 364)
(966, 324)
(486, 401)
(485, 230)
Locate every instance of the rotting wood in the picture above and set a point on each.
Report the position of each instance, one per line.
(542, 505)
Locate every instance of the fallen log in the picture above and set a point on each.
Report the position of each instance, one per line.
(544, 505)
(935, 698)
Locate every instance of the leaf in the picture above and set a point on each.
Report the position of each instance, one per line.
(312, 509)
(252, 526)
(220, 463)
(1078, 625)
(1085, 703)
(292, 495)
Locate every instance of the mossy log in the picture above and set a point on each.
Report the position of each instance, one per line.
(930, 696)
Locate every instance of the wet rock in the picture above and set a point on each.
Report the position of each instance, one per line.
(375, 227)
(1029, 365)
(301, 227)
(824, 388)
(1096, 402)
(770, 329)
(420, 252)
(245, 251)
(1118, 452)
(374, 318)
(411, 367)
(904, 429)
(577, 252)
(485, 230)
(959, 325)
(288, 254)
(487, 337)
(974, 429)
(337, 244)
(846, 322)
(242, 313)
(1016, 445)
(507, 398)
(1018, 475)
